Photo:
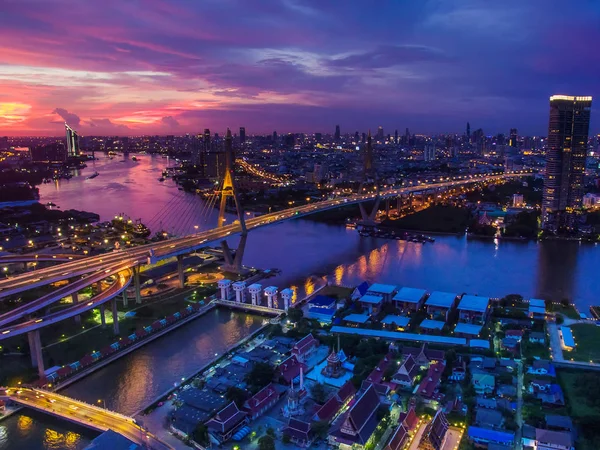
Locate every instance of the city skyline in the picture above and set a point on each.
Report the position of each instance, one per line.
(291, 66)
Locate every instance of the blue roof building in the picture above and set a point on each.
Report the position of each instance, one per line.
(473, 309)
(488, 436)
(409, 299)
(440, 303)
(324, 315)
(322, 301)
(400, 321)
(467, 329)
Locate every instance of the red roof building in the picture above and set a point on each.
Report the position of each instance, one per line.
(409, 419)
(400, 437)
(305, 347)
(264, 399)
(64, 371)
(86, 360)
(226, 422)
(377, 374)
(429, 384)
(407, 372)
(299, 432)
(289, 369)
(342, 397)
(423, 355)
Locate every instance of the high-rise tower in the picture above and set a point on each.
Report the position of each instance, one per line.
(72, 141)
(568, 130)
(337, 135)
(242, 135)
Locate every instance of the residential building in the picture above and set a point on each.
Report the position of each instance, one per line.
(423, 355)
(484, 383)
(553, 440)
(261, 402)
(473, 309)
(537, 309)
(439, 304)
(386, 291)
(568, 130)
(485, 436)
(409, 299)
(305, 347)
(428, 389)
(488, 418)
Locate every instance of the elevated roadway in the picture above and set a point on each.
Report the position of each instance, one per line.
(30, 257)
(180, 246)
(81, 413)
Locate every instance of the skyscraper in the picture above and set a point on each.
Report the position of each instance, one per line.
(337, 135)
(242, 135)
(429, 152)
(379, 136)
(468, 132)
(568, 130)
(396, 137)
(72, 141)
(513, 138)
(356, 137)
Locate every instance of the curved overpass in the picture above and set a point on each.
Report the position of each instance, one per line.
(180, 246)
(71, 288)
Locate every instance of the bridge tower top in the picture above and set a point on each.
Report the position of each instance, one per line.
(228, 189)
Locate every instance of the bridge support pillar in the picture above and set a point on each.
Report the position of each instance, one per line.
(271, 293)
(136, 279)
(255, 290)
(398, 204)
(102, 318)
(287, 295)
(78, 319)
(35, 347)
(180, 271)
(233, 264)
(115, 315)
(125, 298)
(75, 297)
(387, 207)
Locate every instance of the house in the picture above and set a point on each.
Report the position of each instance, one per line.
(486, 436)
(537, 309)
(553, 440)
(542, 367)
(356, 319)
(484, 383)
(299, 432)
(510, 344)
(372, 303)
(322, 301)
(488, 418)
(305, 347)
(440, 304)
(484, 402)
(473, 309)
(506, 391)
(552, 397)
(559, 423)
(226, 423)
(409, 299)
(400, 437)
(385, 291)
(429, 326)
(406, 373)
(423, 355)
(514, 334)
(435, 432)
(324, 315)
(430, 383)
(467, 330)
(289, 369)
(409, 419)
(377, 373)
(395, 323)
(356, 426)
(459, 370)
(537, 337)
(260, 402)
(360, 290)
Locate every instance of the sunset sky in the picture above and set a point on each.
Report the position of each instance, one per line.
(173, 66)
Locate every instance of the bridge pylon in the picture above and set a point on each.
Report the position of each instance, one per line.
(232, 263)
(368, 218)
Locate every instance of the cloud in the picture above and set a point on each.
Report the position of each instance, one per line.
(71, 118)
(389, 56)
(170, 121)
(106, 125)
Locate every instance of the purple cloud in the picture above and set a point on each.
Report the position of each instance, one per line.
(71, 118)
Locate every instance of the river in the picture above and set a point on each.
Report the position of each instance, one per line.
(308, 254)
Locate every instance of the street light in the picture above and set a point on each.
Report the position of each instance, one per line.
(101, 400)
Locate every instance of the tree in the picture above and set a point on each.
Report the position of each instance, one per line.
(295, 314)
(200, 434)
(261, 374)
(320, 429)
(266, 443)
(237, 395)
(318, 393)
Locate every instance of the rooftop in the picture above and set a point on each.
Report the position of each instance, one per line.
(374, 299)
(491, 435)
(409, 295)
(429, 324)
(441, 299)
(357, 318)
(467, 328)
(382, 288)
(474, 303)
(401, 336)
(479, 343)
(401, 321)
(567, 336)
(537, 303)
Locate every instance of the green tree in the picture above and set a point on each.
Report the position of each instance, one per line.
(295, 314)
(262, 373)
(318, 393)
(266, 443)
(320, 429)
(200, 434)
(237, 395)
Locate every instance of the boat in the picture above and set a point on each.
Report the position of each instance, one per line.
(134, 158)
(94, 175)
(161, 179)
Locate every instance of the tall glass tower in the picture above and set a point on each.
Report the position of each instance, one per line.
(72, 141)
(565, 158)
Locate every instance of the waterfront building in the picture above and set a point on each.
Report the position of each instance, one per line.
(568, 130)
(337, 135)
(429, 152)
(537, 308)
(409, 299)
(440, 304)
(486, 436)
(473, 309)
(386, 291)
(395, 323)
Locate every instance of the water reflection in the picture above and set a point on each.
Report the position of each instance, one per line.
(557, 267)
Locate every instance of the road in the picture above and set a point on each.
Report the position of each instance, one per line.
(87, 415)
(12, 258)
(519, 416)
(181, 246)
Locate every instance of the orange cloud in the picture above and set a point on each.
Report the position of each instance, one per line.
(13, 112)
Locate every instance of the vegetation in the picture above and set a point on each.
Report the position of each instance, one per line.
(320, 429)
(262, 373)
(266, 443)
(200, 435)
(295, 314)
(318, 393)
(237, 395)
(564, 308)
(524, 224)
(438, 218)
(587, 337)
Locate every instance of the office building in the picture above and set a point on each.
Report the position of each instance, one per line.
(72, 141)
(242, 135)
(379, 136)
(396, 137)
(429, 152)
(337, 135)
(565, 159)
(49, 153)
(513, 138)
